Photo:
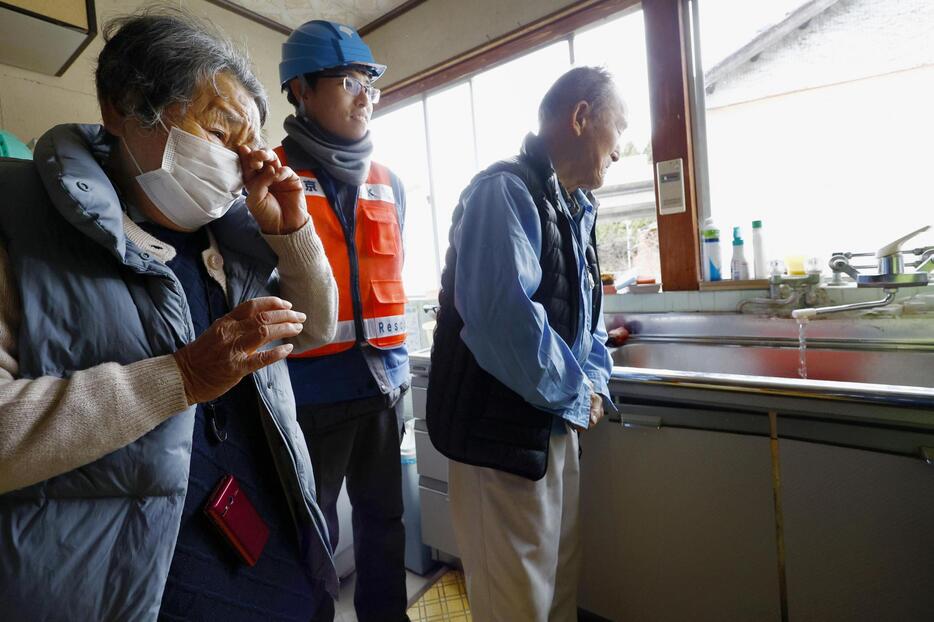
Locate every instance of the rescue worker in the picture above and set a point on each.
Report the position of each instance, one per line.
(348, 391)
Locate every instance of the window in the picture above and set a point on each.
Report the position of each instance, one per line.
(400, 144)
(484, 117)
(627, 230)
(453, 154)
(506, 100)
(819, 121)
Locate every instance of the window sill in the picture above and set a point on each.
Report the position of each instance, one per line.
(726, 300)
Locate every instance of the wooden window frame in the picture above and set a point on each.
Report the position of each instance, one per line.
(539, 33)
(668, 50)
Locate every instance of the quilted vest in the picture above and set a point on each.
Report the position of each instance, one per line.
(472, 417)
(96, 543)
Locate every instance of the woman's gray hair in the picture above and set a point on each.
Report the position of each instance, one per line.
(160, 57)
(594, 85)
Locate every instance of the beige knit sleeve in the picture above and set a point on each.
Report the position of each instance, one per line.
(306, 281)
(49, 426)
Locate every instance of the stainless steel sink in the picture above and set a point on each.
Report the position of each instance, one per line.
(898, 352)
(894, 367)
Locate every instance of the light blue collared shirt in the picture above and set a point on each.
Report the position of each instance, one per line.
(498, 243)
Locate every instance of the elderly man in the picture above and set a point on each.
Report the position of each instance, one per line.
(142, 347)
(348, 391)
(519, 363)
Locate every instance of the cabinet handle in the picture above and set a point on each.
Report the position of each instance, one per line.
(640, 421)
(927, 454)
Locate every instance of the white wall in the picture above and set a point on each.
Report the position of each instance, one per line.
(31, 103)
(439, 30)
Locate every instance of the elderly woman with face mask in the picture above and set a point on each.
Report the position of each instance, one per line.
(146, 309)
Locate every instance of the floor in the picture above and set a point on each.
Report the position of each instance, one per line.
(415, 585)
(445, 600)
(437, 597)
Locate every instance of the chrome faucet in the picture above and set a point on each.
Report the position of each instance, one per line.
(787, 290)
(891, 265)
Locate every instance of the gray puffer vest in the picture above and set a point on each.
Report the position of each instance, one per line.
(96, 543)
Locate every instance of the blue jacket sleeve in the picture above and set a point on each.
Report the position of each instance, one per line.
(599, 364)
(498, 245)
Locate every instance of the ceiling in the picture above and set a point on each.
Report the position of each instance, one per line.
(294, 13)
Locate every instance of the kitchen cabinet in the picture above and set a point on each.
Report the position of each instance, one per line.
(45, 35)
(678, 505)
(859, 533)
(432, 466)
(677, 524)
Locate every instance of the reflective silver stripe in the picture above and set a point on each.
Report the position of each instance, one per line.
(345, 332)
(377, 192)
(312, 187)
(388, 326)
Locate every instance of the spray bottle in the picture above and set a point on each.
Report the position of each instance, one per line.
(739, 268)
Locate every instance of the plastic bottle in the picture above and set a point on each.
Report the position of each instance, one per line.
(795, 265)
(759, 263)
(417, 555)
(739, 268)
(711, 251)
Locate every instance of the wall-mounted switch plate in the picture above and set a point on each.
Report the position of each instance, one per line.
(670, 180)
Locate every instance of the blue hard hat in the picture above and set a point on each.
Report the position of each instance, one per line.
(318, 45)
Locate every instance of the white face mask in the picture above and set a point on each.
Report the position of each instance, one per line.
(197, 182)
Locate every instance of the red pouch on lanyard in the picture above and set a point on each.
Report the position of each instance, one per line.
(231, 510)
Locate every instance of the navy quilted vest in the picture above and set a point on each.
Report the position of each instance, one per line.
(472, 417)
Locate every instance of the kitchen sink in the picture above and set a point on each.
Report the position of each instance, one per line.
(894, 367)
(873, 351)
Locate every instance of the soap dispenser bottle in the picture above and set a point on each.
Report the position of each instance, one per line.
(760, 266)
(711, 247)
(739, 267)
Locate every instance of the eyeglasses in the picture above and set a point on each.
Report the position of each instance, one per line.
(355, 87)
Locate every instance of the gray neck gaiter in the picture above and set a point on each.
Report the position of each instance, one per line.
(346, 162)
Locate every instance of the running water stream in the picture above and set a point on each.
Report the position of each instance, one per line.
(802, 347)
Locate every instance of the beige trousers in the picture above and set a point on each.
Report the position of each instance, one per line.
(519, 539)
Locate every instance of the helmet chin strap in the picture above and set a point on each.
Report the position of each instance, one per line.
(303, 87)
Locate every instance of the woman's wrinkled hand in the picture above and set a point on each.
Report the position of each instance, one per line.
(232, 346)
(275, 195)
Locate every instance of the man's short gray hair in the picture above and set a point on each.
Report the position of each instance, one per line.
(593, 85)
(157, 58)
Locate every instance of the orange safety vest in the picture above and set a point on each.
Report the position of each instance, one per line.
(378, 249)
